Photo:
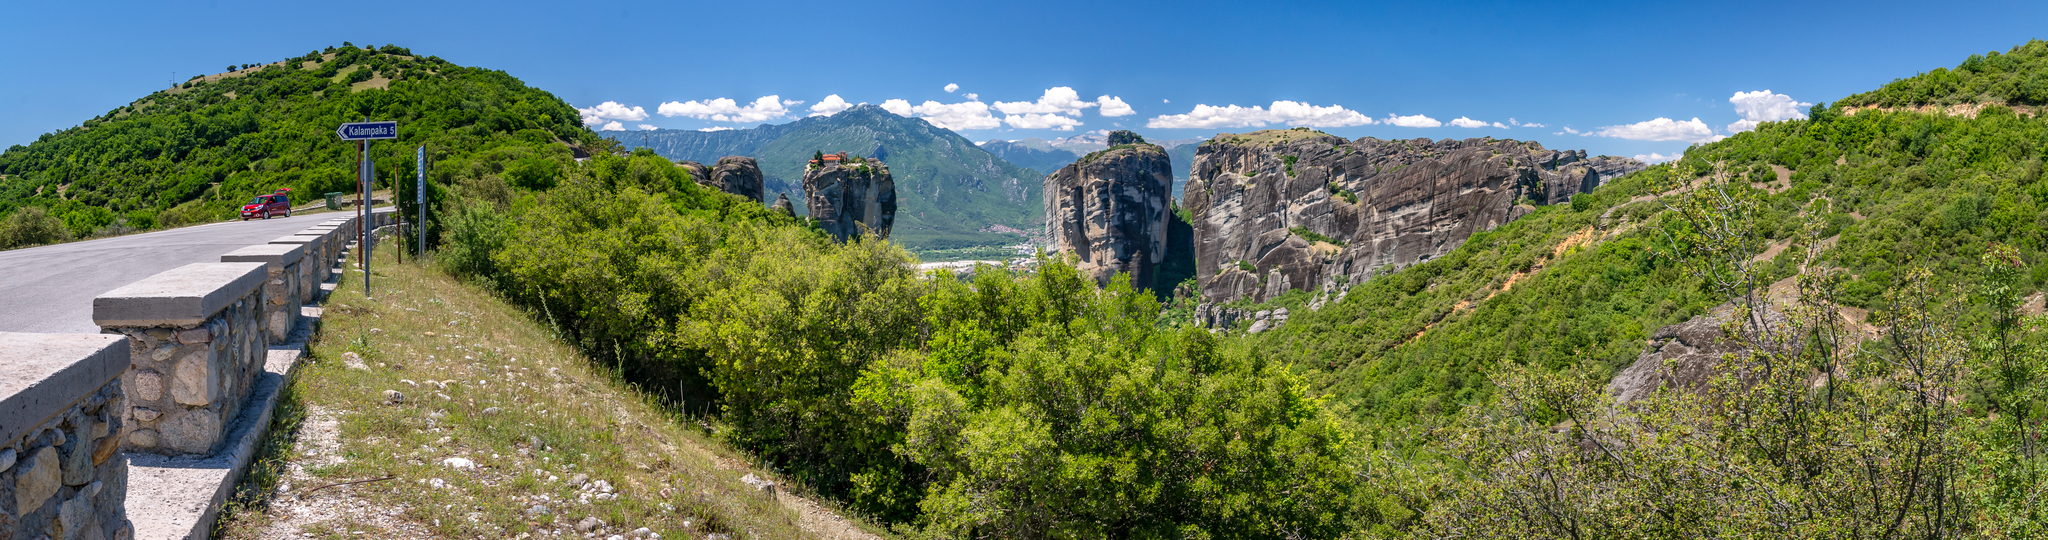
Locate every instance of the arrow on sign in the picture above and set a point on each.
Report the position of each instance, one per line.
(363, 131)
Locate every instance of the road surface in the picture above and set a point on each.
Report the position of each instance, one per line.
(49, 289)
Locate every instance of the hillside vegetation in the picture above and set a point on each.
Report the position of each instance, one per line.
(1592, 279)
(2017, 77)
(194, 152)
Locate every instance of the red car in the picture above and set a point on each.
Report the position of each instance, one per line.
(264, 206)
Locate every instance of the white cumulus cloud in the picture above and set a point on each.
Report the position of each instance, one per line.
(612, 126)
(1114, 106)
(648, 127)
(1661, 129)
(1534, 125)
(726, 110)
(971, 96)
(1282, 112)
(950, 87)
(1655, 158)
(1055, 100)
(1414, 121)
(954, 116)
(715, 128)
(1041, 121)
(1763, 106)
(1464, 122)
(611, 110)
(829, 106)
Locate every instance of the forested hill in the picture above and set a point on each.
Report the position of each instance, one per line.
(190, 153)
(949, 190)
(2016, 78)
(1584, 286)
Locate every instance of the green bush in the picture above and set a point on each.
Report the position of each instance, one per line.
(1042, 406)
(31, 226)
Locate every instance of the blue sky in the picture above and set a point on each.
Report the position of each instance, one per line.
(1606, 70)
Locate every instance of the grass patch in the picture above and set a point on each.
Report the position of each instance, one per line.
(483, 382)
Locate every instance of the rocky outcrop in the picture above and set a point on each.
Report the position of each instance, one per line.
(738, 175)
(1218, 318)
(1681, 356)
(1110, 209)
(1283, 210)
(851, 197)
(698, 171)
(782, 205)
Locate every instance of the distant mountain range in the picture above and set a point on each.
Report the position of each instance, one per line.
(949, 189)
(1047, 157)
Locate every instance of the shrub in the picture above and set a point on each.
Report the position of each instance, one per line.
(470, 237)
(31, 226)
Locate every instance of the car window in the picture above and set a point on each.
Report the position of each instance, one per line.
(260, 200)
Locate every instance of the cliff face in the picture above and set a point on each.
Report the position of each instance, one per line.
(1366, 204)
(1111, 209)
(738, 175)
(847, 198)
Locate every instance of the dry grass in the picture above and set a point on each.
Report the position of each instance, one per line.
(483, 382)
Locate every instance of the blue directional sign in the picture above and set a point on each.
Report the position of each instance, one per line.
(363, 131)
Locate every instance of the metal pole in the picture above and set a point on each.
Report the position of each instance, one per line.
(420, 207)
(363, 222)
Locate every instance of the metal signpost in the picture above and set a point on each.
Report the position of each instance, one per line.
(362, 133)
(420, 207)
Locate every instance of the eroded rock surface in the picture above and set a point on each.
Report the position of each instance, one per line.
(738, 175)
(1110, 209)
(852, 197)
(1368, 204)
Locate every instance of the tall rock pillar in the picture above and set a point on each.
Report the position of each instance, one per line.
(1111, 208)
(848, 194)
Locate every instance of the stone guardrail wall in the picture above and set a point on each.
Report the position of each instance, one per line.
(195, 335)
(179, 354)
(61, 413)
(281, 289)
(311, 272)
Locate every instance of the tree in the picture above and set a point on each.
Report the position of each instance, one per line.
(1122, 137)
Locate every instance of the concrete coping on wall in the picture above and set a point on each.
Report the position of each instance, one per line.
(48, 373)
(312, 242)
(182, 296)
(274, 254)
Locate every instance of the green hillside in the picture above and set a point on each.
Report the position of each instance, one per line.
(948, 189)
(191, 153)
(1582, 285)
(2017, 77)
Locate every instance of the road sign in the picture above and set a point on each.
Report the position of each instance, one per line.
(363, 131)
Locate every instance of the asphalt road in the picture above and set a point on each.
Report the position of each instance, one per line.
(49, 289)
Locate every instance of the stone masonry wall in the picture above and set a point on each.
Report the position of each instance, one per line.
(61, 471)
(189, 382)
(280, 287)
(67, 479)
(188, 375)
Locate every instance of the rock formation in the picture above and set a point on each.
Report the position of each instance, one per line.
(782, 205)
(738, 175)
(850, 196)
(1110, 209)
(1282, 210)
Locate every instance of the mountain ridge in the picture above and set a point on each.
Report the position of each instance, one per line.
(951, 190)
